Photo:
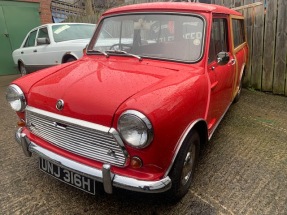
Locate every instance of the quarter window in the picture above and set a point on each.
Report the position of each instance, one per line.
(238, 32)
(31, 39)
(218, 40)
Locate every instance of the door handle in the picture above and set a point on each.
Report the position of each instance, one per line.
(212, 68)
(22, 52)
(232, 62)
(35, 50)
(6, 34)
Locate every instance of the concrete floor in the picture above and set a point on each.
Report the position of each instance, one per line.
(243, 170)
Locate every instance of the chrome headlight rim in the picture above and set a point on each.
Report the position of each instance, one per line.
(20, 95)
(149, 128)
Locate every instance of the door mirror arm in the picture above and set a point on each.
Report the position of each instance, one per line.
(222, 58)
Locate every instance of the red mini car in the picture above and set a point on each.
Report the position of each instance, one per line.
(154, 83)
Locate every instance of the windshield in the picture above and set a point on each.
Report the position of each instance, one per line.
(164, 36)
(72, 32)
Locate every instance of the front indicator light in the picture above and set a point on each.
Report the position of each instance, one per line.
(21, 123)
(136, 162)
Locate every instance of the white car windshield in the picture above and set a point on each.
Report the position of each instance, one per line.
(72, 32)
(163, 36)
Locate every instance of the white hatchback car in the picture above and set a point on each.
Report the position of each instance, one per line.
(52, 44)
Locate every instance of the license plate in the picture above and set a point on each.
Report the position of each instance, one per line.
(67, 176)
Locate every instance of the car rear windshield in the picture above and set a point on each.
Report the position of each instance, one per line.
(72, 32)
(169, 36)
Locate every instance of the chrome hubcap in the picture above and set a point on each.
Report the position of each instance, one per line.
(188, 165)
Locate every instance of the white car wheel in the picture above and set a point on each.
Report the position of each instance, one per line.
(22, 69)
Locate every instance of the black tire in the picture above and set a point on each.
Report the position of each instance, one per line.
(99, 187)
(22, 69)
(70, 59)
(237, 97)
(183, 168)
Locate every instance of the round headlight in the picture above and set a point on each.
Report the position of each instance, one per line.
(135, 129)
(16, 98)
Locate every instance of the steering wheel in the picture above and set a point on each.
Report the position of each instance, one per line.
(121, 46)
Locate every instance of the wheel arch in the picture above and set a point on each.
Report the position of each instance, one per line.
(68, 55)
(200, 126)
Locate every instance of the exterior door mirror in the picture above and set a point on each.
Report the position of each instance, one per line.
(222, 58)
(43, 41)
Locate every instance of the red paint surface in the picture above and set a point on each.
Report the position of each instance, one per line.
(172, 95)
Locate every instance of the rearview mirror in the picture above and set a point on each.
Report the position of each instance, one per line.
(222, 58)
(43, 41)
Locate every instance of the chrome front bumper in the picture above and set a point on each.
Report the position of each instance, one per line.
(104, 175)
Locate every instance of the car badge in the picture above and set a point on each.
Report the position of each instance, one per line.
(60, 104)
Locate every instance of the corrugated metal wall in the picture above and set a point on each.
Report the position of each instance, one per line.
(16, 20)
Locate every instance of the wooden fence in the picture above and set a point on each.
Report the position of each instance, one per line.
(266, 27)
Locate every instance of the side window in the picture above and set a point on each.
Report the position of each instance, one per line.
(43, 33)
(238, 32)
(31, 39)
(218, 38)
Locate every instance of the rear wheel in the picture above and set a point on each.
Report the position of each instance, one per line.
(183, 168)
(237, 97)
(70, 59)
(22, 69)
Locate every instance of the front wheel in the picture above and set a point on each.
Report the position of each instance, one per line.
(183, 168)
(22, 69)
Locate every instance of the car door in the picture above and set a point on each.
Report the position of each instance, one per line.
(221, 75)
(43, 54)
(27, 51)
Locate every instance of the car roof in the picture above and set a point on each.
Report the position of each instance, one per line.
(173, 7)
(61, 23)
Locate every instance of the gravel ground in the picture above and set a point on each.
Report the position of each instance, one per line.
(241, 171)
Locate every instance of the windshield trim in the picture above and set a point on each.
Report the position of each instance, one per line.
(90, 50)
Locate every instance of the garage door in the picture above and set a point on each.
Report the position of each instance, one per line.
(16, 20)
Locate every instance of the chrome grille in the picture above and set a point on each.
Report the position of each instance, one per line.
(78, 139)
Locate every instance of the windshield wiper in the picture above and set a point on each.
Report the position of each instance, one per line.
(102, 52)
(126, 53)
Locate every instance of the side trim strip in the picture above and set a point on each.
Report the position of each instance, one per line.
(216, 125)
